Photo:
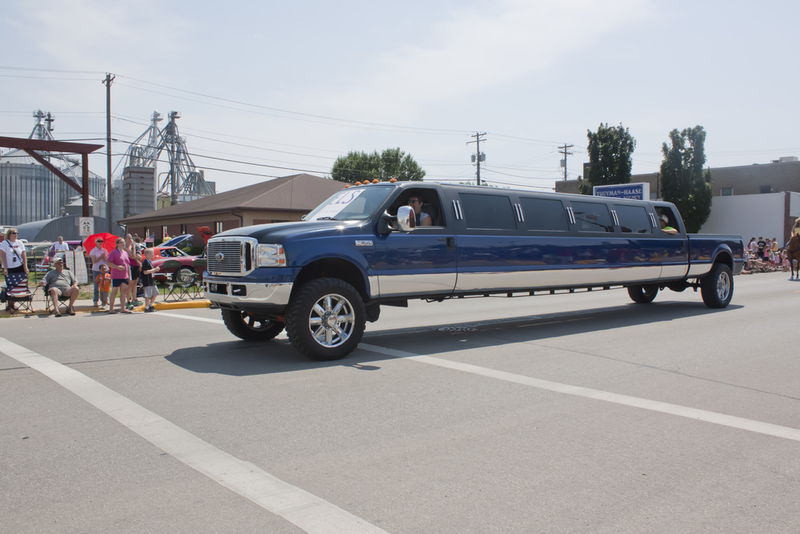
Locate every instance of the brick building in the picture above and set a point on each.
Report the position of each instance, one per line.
(279, 200)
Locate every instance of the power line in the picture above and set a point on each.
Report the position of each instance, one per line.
(33, 69)
(310, 115)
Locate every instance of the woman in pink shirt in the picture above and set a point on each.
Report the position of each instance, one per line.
(117, 262)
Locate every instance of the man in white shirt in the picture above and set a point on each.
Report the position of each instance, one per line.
(58, 246)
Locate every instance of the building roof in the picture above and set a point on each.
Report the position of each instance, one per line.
(299, 192)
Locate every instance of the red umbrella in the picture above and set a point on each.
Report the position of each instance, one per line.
(109, 241)
(205, 232)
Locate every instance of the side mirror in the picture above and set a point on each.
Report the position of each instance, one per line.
(406, 219)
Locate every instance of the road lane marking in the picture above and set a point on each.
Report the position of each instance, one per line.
(740, 423)
(192, 318)
(731, 421)
(307, 511)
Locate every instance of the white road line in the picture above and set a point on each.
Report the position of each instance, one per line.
(740, 423)
(307, 511)
(191, 318)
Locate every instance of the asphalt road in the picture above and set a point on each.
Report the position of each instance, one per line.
(564, 413)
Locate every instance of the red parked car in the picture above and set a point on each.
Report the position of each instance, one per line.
(185, 271)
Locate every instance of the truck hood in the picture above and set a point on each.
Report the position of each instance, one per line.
(282, 232)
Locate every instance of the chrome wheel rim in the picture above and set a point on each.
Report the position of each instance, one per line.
(185, 276)
(723, 286)
(331, 321)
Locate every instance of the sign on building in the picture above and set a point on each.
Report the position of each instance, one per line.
(637, 191)
(86, 225)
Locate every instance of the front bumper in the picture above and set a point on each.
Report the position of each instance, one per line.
(248, 296)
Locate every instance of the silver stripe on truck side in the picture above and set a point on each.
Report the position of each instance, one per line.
(524, 280)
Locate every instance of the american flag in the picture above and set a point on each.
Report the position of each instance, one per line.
(16, 284)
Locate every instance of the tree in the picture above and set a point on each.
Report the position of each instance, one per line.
(391, 163)
(683, 180)
(610, 152)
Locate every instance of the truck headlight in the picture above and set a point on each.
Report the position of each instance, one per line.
(270, 256)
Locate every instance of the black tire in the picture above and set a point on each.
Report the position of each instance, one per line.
(643, 294)
(717, 286)
(326, 319)
(249, 327)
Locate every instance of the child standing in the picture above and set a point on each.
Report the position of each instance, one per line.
(103, 281)
(148, 284)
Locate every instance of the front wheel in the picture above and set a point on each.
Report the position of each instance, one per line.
(326, 319)
(249, 327)
(717, 286)
(642, 294)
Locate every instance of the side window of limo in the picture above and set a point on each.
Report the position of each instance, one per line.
(633, 219)
(428, 206)
(544, 214)
(488, 212)
(592, 217)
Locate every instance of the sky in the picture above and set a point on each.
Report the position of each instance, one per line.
(268, 89)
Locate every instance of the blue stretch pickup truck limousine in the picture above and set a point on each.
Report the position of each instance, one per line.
(324, 277)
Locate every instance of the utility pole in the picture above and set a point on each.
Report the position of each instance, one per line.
(478, 157)
(564, 151)
(109, 78)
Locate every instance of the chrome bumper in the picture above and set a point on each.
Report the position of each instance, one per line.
(232, 293)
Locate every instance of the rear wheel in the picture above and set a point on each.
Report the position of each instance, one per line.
(249, 327)
(326, 319)
(717, 286)
(643, 294)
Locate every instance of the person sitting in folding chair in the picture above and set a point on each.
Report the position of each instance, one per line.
(61, 283)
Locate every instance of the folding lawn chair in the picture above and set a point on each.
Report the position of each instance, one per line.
(19, 297)
(63, 302)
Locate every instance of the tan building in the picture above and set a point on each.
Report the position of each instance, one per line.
(775, 177)
(279, 200)
(766, 198)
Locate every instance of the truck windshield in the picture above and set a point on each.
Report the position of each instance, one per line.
(354, 204)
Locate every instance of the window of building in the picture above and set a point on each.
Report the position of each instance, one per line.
(726, 191)
(766, 189)
(488, 212)
(592, 217)
(544, 214)
(164, 233)
(633, 219)
(217, 227)
(183, 229)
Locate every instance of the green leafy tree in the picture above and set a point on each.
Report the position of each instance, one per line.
(683, 180)
(610, 150)
(362, 166)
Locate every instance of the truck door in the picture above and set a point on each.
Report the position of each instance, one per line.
(420, 262)
(673, 247)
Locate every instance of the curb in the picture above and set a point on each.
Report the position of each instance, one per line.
(200, 303)
(88, 308)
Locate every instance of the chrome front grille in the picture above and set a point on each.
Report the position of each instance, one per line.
(231, 256)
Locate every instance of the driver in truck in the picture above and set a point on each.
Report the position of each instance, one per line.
(423, 219)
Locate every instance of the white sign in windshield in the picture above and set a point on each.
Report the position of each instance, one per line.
(335, 206)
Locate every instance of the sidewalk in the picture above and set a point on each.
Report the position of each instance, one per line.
(86, 306)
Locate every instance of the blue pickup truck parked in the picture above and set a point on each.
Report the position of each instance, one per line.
(323, 278)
